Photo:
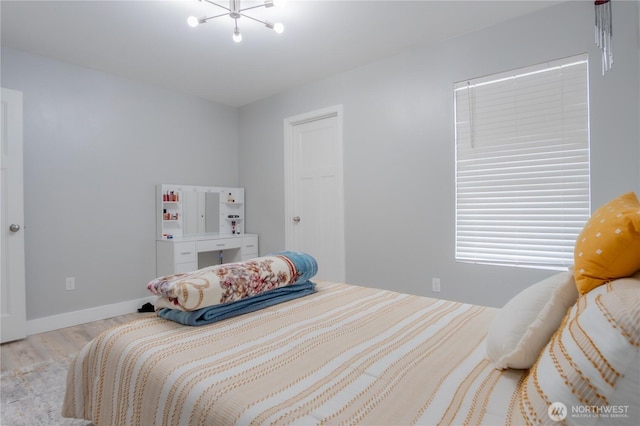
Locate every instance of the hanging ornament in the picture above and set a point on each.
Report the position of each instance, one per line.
(604, 32)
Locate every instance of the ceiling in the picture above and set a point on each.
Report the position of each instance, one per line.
(149, 40)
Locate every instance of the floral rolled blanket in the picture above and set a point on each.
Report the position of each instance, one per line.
(230, 282)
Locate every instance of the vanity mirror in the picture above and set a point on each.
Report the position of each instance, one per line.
(200, 212)
(186, 211)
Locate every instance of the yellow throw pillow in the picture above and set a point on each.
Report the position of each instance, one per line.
(609, 245)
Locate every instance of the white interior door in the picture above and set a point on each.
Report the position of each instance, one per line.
(314, 190)
(12, 297)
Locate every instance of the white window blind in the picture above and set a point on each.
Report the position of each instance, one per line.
(522, 165)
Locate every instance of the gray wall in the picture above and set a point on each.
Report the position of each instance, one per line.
(95, 146)
(399, 140)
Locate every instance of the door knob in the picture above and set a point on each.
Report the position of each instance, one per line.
(14, 228)
(296, 219)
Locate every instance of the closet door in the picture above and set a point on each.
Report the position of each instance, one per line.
(314, 190)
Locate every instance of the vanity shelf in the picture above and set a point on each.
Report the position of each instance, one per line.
(198, 210)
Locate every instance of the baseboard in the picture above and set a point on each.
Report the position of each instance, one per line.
(69, 319)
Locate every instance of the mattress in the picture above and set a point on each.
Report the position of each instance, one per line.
(344, 355)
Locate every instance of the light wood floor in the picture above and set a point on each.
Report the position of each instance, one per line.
(57, 344)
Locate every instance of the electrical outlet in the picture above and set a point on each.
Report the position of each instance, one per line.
(435, 284)
(71, 283)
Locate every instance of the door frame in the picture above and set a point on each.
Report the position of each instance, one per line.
(289, 125)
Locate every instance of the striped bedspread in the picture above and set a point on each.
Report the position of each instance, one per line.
(343, 355)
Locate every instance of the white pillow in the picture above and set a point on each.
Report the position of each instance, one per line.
(589, 372)
(526, 323)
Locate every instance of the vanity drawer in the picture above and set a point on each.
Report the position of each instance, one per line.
(219, 244)
(250, 246)
(185, 252)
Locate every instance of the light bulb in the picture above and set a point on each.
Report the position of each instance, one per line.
(237, 37)
(278, 27)
(192, 21)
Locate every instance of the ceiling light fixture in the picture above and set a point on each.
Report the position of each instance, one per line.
(235, 12)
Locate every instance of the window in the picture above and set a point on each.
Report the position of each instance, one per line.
(522, 165)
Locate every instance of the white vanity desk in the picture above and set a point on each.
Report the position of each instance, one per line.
(186, 254)
(200, 226)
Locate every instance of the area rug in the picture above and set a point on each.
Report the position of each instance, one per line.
(33, 396)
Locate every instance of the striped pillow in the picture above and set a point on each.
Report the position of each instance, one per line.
(590, 370)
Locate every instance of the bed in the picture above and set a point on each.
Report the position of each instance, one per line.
(343, 355)
(566, 350)
(355, 355)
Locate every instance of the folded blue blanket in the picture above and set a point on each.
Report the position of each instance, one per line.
(215, 313)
